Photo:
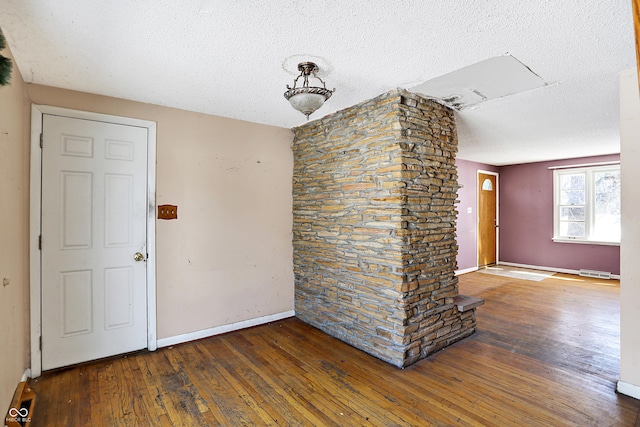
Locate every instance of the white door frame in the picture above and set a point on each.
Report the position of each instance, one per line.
(497, 175)
(35, 220)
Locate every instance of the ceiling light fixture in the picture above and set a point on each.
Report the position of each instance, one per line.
(305, 98)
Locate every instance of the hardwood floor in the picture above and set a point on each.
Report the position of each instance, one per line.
(545, 353)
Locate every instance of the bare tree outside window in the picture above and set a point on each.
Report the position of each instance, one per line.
(573, 198)
(587, 204)
(606, 223)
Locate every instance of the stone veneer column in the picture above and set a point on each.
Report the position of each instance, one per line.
(374, 188)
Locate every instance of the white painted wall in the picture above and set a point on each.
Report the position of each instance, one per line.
(630, 245)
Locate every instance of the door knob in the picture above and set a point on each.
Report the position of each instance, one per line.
(138, 256)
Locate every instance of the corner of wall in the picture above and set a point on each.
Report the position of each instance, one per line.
(630, 245)
(14, 228)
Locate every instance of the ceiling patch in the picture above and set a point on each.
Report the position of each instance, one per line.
(487, 80)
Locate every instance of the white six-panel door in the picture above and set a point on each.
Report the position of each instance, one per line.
(94, 201)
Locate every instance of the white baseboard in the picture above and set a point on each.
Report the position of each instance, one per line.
(205, 333)
(26, 375)
(554, 269)
(466, 270)
(628, 389)
(539, 267)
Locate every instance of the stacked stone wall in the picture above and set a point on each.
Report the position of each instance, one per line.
(374, 188)
(429, 142)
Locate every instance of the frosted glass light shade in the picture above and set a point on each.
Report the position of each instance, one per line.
(305, 98)
(307, 103)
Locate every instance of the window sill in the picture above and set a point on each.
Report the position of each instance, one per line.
(584, 242)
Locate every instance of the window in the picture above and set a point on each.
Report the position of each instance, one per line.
(587, 204)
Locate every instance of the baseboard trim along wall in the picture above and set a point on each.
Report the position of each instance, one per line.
(205, 333)
(466, 270)
(554, 269)
(628, 389)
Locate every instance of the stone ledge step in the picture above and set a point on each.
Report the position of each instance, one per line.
(466, 303)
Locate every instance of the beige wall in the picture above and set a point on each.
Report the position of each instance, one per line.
(630, 245)
(228, 256)
(14, 236)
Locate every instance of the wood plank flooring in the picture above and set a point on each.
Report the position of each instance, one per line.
(545, 354)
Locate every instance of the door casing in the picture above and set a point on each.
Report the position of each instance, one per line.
(478, 172)
(35, 210)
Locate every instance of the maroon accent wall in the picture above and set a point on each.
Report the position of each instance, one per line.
(526, 221)
(467, 222)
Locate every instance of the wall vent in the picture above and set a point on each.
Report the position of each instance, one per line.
(596, 274)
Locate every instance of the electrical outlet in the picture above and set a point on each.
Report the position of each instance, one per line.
(167, 212)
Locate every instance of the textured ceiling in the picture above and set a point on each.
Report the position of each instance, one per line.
(234, 58)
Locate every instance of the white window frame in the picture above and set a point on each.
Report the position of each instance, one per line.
(589, 203)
